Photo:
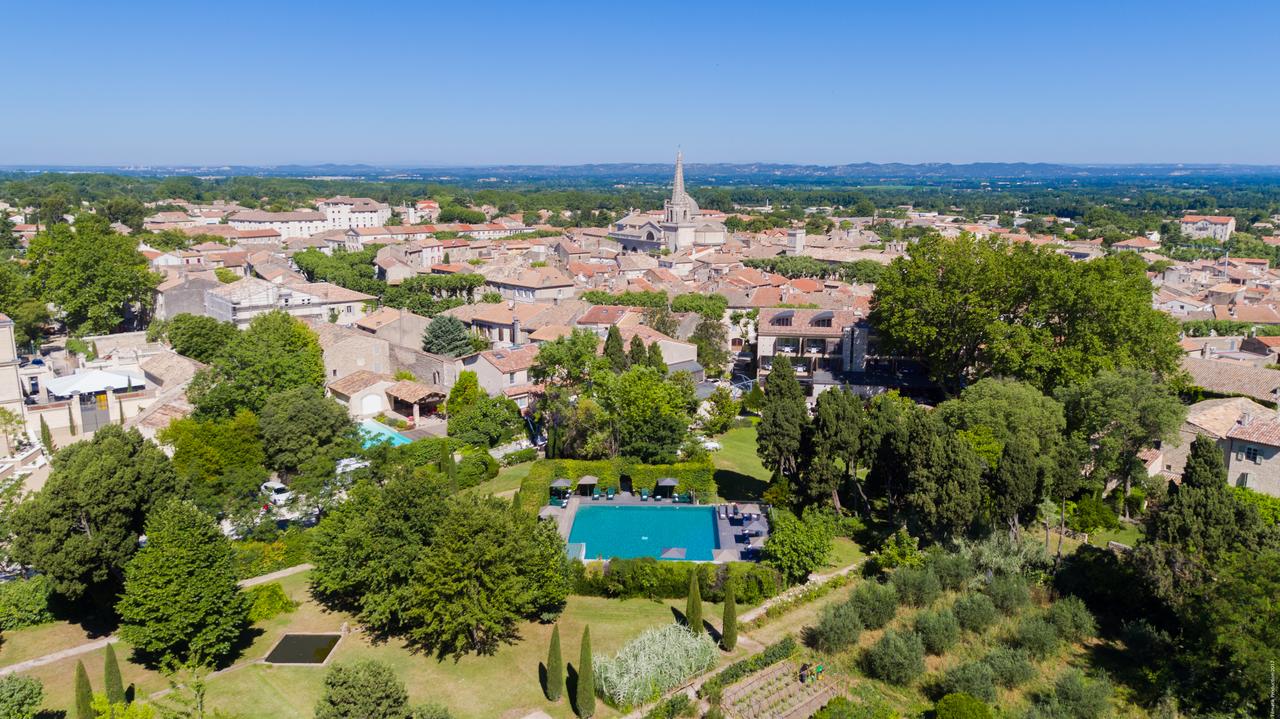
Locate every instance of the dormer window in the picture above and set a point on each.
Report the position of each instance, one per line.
(822, 319)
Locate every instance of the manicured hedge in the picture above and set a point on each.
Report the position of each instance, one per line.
(535, 490)
(528, 454)
(254, 559)
(652, 579)
(25, 602)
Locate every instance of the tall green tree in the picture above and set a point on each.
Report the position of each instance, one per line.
(729, 624)
(199, 337)
(613, 350)
(555, 667)
(447, 336)
(1120, 413)
(637, 353)
(275, 353)
(83, 527)
(647, 415)
(112, 683)
(20, 696)
(835, 443)
(585, 706)
(300, 424)
(95, 276)
(783, 418)
(693, 605)
(84, 693)
(568, 361)
(488, 423)
(712, 340)
(483, 549)
(654, 357)
(466, 392)
(362, 690)
(181, 602)
(944, 481)
(221, 461)
(974, 307)
(796, 547)
(1015, 486)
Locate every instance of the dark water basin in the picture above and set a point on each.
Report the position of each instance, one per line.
(303, 648)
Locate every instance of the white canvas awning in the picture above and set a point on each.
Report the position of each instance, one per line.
(96, 380)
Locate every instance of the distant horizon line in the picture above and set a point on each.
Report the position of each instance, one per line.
(619, 163)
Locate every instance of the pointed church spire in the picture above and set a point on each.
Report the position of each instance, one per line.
(677, 192)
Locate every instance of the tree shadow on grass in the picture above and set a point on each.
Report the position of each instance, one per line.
(707, 626)
(736, 486)
(51, 714)
(571, 685)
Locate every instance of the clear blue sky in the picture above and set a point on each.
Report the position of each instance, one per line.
(524, 82)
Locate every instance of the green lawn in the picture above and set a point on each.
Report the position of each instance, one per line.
(739, 474)
(506, 483)
(505, 685)
(1127, 534)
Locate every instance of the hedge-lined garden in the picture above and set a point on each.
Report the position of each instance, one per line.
(535, 491)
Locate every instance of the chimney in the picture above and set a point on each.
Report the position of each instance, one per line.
(515, 330)
(1204, 350)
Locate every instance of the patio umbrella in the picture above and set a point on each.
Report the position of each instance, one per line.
(587, 479)
(561, 483)
(668, 482)
(725, 555)
(673, 553)
(757, 526)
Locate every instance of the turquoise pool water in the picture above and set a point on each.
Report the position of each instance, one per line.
(645, 531)
(378, 433)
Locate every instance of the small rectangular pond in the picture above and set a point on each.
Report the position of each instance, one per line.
(303, 649)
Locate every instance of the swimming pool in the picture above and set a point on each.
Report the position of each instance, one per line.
(375, 432)
(629, 531)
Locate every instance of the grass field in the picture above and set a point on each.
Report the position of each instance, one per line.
(739, 474)
(504, 685)
(506, 483)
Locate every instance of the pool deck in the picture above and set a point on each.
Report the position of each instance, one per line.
(733, 545)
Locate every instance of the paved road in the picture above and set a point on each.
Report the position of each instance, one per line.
(97, 644)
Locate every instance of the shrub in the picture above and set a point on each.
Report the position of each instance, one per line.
(1001, 554)
(1146, 643)
(519, 456)
(899, 549)
(844, 708)
(898, 658)
(268, 600)
(1010, 667)
(653, 663)
(677, 706)
(652, 579)
(475, 468)
(953, 570)
(20, 696)
(1037, 637)
(253, 559)
(961, 706)
(838, 628)
(1008, 594)
(876, 603)
(916, 587)
(25, 603)
(938, 630)
(1072, 620)
(974, 678)
(975, 612)
(1074, 696)
(430, 711)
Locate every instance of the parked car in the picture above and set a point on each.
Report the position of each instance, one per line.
(276, 492)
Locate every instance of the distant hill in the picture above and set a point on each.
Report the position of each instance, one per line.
(707, 174)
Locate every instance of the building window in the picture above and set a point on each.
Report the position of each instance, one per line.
(1252, 454)
(511, 378)
(782, 321)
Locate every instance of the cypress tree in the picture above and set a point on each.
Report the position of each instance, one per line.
(638, 356)
(656, 360)
(693, 609)
(46, 438)
(111, 681)
(586, 694)
(613, 350)
(555, 667)
(1204, 466)
(729, 627)
(84, 693)
(784, 417)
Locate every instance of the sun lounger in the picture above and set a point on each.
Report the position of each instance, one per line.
(608, 494)
(595, 494)
(644, 495)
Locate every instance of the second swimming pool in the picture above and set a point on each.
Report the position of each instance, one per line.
(630, 531)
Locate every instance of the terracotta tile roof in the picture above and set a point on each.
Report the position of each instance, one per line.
(1227, 377)
(414, 392)
(1211, 219)
(356, 381)
(513, 359)
(1260, 430)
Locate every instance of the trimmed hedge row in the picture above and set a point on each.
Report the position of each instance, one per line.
(535, 490)
(652, 579)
